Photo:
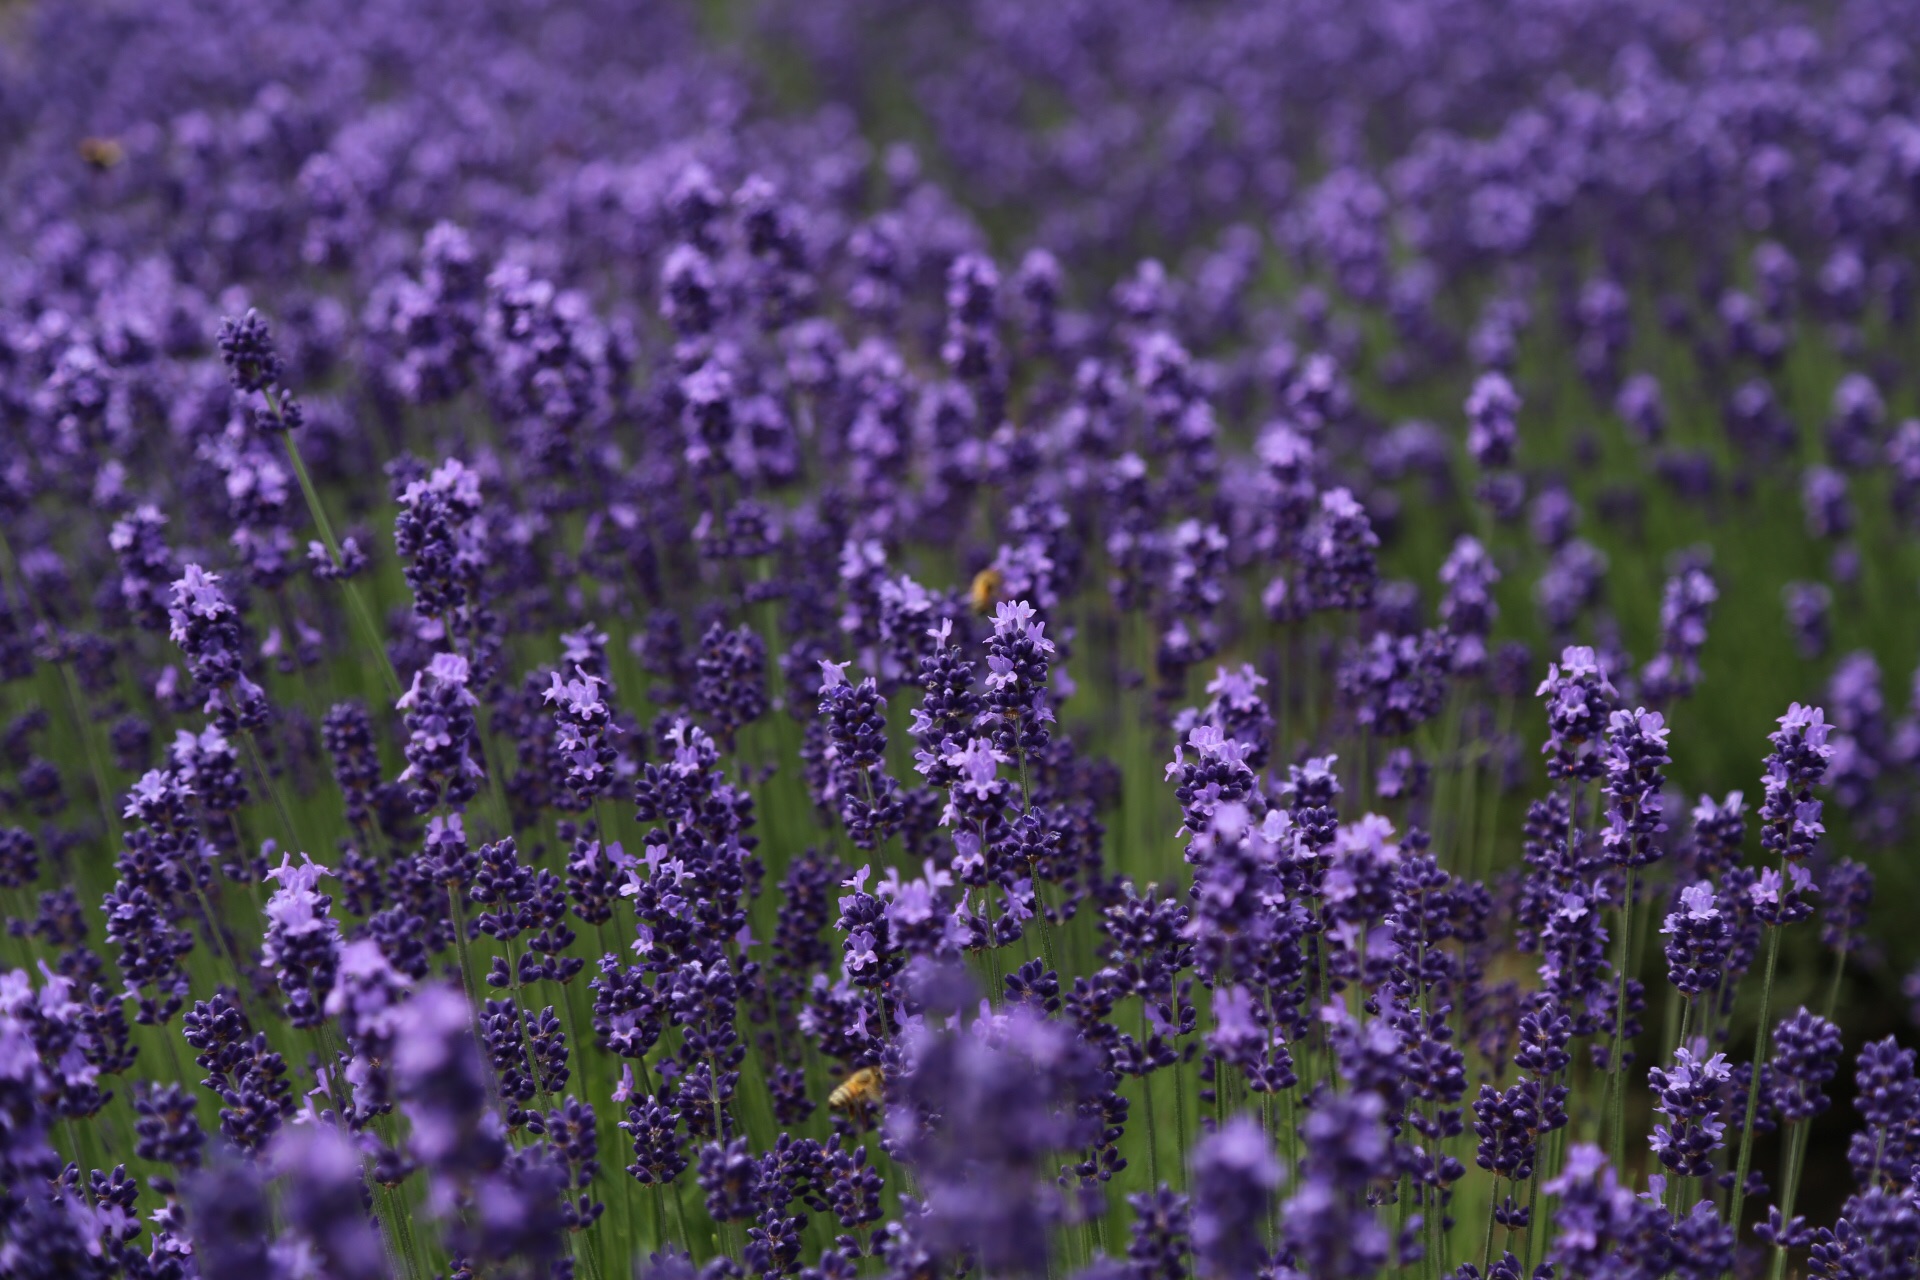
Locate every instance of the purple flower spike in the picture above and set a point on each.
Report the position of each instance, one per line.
(1579, 701)
(440, 735)
(1235, 1176)
(1636, 751)
(204, 623)
(1789, 816)
(1698, 940)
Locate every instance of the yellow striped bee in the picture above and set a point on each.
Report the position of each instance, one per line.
(985, 589)
(858, 1091)
(102, 153)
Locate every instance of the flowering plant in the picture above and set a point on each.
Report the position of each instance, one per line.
(611, 669)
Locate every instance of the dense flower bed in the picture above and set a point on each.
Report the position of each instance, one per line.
(1126, 637)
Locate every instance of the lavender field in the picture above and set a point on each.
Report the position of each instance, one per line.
(1101, 640)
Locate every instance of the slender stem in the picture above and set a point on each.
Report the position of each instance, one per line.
(1467, 801)
(419, 1253)
(680, 1215)
(578, 1048)
(1020, 753)
(272, 789)
(998, 989)
(1486, 1248)
(526, 1032)
(362, 614)
(1833, 988)
(1616, 1082)
(1146, 1090)
(460, 940)
(1739, 1190)
(78, 1155)
(1434, 1226)
(173, 1056)
(1483, 857)
(1533, 1224)
(1789, 1191)
(657, 1216)
(1180, 1116)
(220, 942)
(84, 727)
(1047, 953)
(403, 1217)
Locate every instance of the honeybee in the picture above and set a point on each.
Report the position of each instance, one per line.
(985, 589)
(858, 1091)
(102, 153)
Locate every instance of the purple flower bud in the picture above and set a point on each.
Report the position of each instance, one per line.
(324, 1200)
(442, 1085)
(1640, 406)
(1698, 940)
(440, 538)
(1326, 1222)
(1685, 608)
(1806, 1054)
(440, 735)
(1690, 1095)
(1783, 899)
(1601, 1226)
(204, 623)
(302, 943)
(1235, 1176)
(1493, 412)
(247, 347)
(1823, 496)
(231, 1221)
(1718, 831)
(1789, 816)
(1337, 555)
(1579, 702)
(1635, 753)
(1806, 606)
(976, 1114)
(584, 730)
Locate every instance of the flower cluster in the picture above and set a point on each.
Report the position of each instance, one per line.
(1122, 641)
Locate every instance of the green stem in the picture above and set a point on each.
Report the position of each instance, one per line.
(1533, 1220)
(1489, 829)
(680, 1216)
(362, 614)
(1833, 988)
(460, 942)
(403, 1218)
(1047, 954)
(1789, 1191)
(998, 988)
(1146, 1090)
(173, 1057)
(1739, 1190)
(526, 1032)
(272, 789)
(1616, 1081)
(241, 982)
(1180, 1116)
(84, 727)
(1486, 1247)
